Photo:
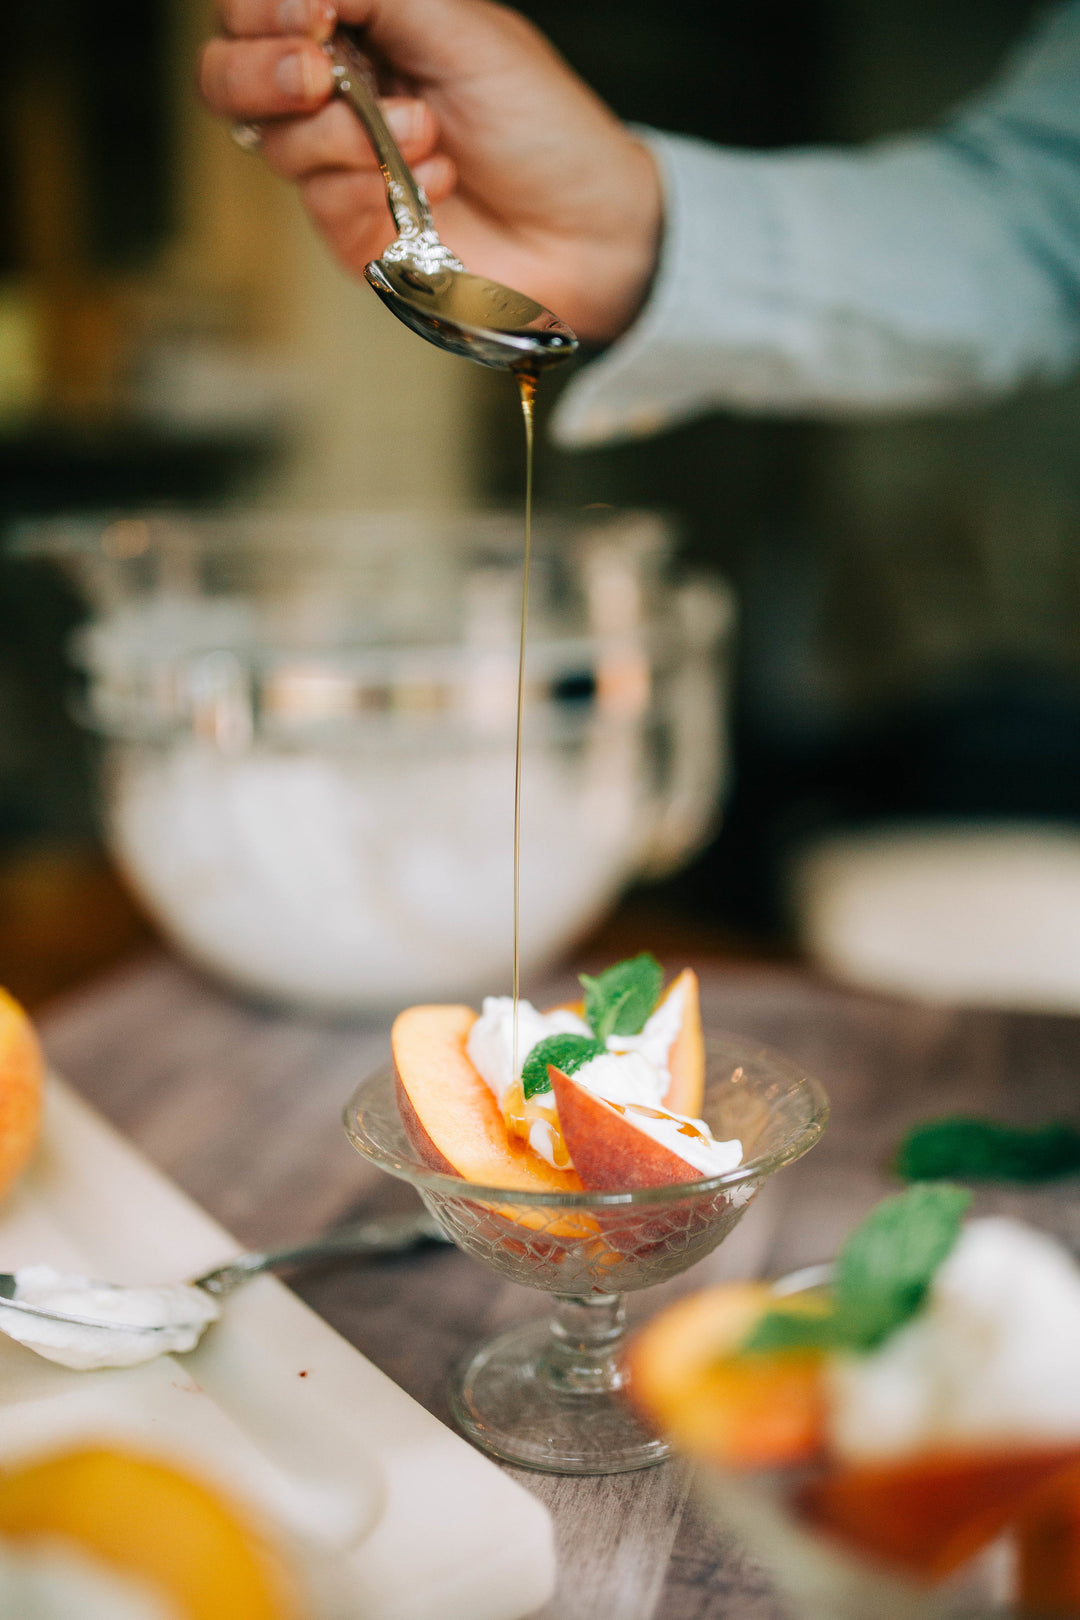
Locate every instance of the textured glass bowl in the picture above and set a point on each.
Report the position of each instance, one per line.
(548, 1394)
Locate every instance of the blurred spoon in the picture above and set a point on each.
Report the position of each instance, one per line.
(420, 279)
(387, 1234)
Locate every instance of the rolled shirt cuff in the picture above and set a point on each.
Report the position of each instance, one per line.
(722, 256)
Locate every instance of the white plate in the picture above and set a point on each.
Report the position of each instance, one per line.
(273, 1404)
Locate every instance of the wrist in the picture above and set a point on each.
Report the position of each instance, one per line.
(632, 252)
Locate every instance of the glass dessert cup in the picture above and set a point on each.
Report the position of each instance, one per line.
(548, 1395)
(819, 1576)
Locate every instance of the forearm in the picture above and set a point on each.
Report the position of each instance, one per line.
(925, 272)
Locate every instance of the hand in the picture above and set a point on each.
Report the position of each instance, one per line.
(533, 181)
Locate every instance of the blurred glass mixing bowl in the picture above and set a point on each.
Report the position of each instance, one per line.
(309, 734)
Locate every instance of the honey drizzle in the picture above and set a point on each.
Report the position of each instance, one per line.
(526, 381)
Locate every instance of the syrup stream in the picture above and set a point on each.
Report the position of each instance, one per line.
(526, 381)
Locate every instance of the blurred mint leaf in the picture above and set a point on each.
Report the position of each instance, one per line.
(972, 1149)
(787, 1329)
(887, 1264)
(881, 1277)
(621, 999)
(567, 1052)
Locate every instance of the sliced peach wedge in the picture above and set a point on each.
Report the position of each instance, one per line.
(450, 1115)
(455, 1125)
(686, 1056)
(22, 1080)
(609, 1150)
(195, 1553)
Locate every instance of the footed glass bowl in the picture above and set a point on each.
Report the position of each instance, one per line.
(547, 1395)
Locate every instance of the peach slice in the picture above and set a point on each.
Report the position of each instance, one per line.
(148, 1521)
(22, 1078)
(689, 1381)
(610, 1152)
(686, 1057)
(930, 1513)
(456, 1126)
(450, 1115)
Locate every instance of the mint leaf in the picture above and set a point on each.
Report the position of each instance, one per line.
(971, 1149)
(567, 1052)
(887, 1264)
(621, 999)
(881, 1277)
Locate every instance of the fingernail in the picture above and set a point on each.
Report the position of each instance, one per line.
(405, 121)
(313, 17)
(293, 76)
(325, 21)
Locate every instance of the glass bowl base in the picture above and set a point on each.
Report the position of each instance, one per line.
(521, 1400)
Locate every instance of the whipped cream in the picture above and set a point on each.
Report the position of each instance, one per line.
(180, 1312)
(991, 1357)
(633, 1073)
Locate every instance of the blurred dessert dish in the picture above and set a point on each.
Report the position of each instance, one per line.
(910, 1411)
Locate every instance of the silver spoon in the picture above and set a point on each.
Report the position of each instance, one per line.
(387, 1234)
(420, 279)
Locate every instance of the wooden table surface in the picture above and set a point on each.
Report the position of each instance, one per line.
(242, 1105)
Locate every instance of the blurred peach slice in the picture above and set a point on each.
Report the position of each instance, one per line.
(22, 1080)
(146, 1520)
(689, 1380)
(1048, 1549)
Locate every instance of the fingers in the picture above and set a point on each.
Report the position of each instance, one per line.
(333, 138)
(349, 205)
(252, 19)
(438, 176)
(263, 78)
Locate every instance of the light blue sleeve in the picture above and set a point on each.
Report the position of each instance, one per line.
(935, 270)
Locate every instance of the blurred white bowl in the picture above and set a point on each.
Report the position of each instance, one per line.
(309, 770)
(977, 915)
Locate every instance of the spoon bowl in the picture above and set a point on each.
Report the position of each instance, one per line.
(472, 316)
